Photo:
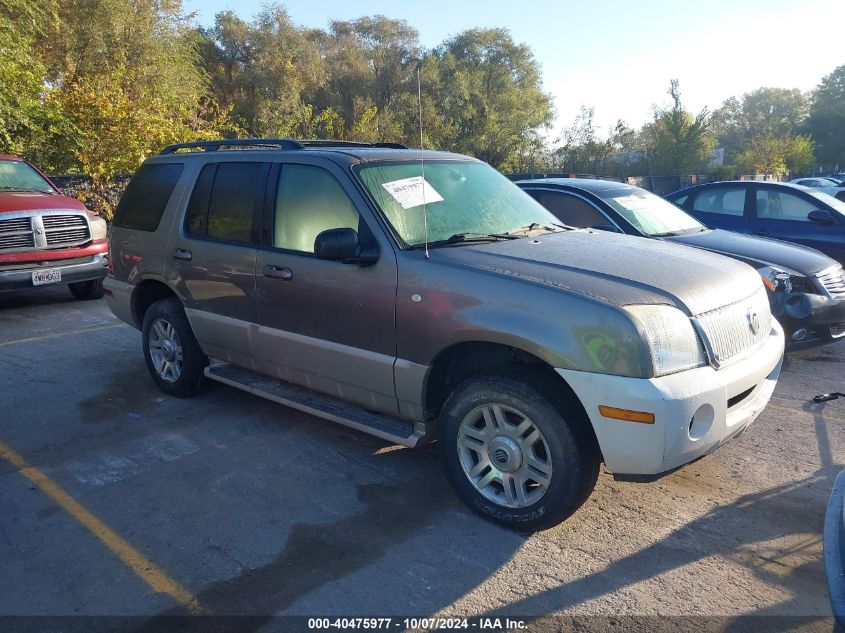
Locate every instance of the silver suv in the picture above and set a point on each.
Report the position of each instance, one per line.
(422, 296)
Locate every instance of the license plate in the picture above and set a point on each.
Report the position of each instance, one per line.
(44, 277)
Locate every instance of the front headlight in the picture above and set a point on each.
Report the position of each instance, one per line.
(775, 279)
(99, 228)
(671, 338)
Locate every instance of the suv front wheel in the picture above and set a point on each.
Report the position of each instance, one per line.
(514, 454)
(173, 355)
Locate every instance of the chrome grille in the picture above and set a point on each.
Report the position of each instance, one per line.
(833, 280)
(16, 233)
(65, 230)
(730, 331)
(837, 330)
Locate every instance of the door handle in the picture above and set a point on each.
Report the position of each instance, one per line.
(278, 272)
(182, 253)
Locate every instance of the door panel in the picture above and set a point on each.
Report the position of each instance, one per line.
(212, 258)
(783, 215)
(326, 325)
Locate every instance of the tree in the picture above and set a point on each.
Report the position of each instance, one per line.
(263, 69)
(676, 141)
(125, 76)
(372, 64)
(771, 155)
(826, 122)
(25, 117)
(764, 118)
(488, 95)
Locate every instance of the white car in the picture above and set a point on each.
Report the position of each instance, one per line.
(825, 185)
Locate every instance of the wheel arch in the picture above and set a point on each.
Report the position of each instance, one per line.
(460, 361)
(147, 293)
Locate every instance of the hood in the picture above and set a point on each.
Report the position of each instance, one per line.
(759, 251)
(618, 269)
(33, 201)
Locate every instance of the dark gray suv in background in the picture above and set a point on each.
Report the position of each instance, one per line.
(420, 296)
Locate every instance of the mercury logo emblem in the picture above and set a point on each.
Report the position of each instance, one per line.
(753, 321)
(39, 231)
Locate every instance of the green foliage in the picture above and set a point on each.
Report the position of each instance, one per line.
(95, 86)
(489, 96)
(677, 142)
(773, 156)
(748, 124)
(826, 122)
(583, 151)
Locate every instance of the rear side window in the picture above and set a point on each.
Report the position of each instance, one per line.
(722, 200)
(223, 204)
(572, 211)
(142, 204)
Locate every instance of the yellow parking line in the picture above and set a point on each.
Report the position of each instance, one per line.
(827, 417)
(144, 568)
(57, 334)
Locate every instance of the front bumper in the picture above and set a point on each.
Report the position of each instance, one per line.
(78, 269)
(809, 319)
(695, 411)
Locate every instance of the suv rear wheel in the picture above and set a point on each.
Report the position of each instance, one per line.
(514, 454)
(171, 351)
(92, 289)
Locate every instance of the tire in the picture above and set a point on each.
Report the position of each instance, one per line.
(86, 290)
(166, 327)
(565, 455)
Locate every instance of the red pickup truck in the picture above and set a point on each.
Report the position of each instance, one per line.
(46, 237)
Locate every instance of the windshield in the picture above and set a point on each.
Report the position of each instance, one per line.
(16, 175)
(650, 214)
(828, 199)
(460, 197)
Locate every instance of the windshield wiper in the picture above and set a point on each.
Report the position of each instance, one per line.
(667, 234)
(468, 238)
(23, 189)
(533, 229)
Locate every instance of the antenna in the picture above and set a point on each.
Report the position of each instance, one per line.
(422, 162)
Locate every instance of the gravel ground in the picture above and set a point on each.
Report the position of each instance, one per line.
(260, 510)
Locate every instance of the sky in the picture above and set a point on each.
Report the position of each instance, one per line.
(618, 57)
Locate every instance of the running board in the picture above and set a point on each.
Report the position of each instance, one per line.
(383, 426)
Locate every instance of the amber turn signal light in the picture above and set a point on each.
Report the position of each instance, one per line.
(626, 415)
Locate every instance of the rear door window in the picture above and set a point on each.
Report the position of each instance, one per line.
(721, 200)
(225, 200)
(142, 204)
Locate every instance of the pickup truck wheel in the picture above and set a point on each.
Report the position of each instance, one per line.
(92, 289)
(514, 454)
(171, 351)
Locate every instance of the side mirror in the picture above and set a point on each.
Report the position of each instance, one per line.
(342, 245)
(820, 216)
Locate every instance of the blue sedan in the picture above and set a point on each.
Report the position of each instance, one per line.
(771, 209)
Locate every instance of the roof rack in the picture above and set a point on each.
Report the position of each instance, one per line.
(214, 146)
(272, 143)
(318, 142)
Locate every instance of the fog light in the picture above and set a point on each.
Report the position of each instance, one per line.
(800, 334)
(701, 422)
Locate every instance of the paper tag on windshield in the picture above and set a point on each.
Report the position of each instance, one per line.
(632, 203)
(412, 192)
